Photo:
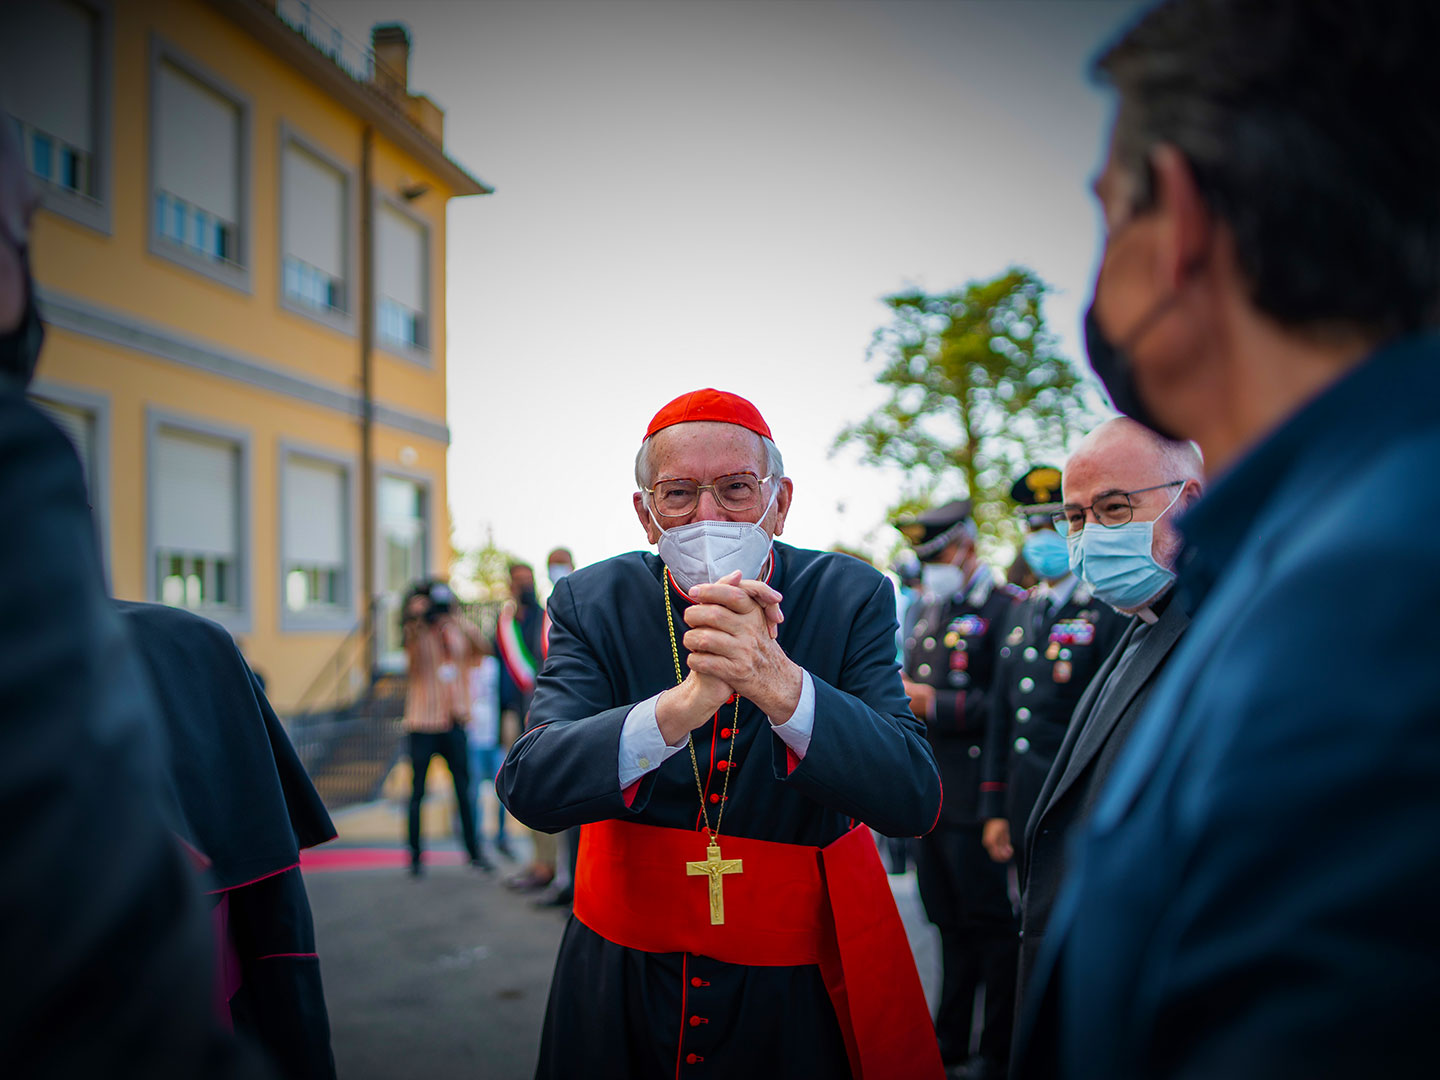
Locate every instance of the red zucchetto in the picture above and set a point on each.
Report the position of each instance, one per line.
(707, 404)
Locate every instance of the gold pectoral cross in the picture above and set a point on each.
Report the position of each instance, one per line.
(714, 867)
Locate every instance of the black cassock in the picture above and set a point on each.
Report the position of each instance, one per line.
(242, 798)
(616, 1012)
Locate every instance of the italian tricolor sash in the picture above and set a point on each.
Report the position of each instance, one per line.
(516, 657)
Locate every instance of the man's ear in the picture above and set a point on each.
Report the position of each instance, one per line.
(1183, 236)
(652, 532)
(782, 504)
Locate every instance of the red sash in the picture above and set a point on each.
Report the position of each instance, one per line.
(791, 904)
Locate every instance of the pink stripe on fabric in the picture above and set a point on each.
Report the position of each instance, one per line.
(288, 955)
(252, 881)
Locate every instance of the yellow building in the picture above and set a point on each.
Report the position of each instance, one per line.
(241, 262)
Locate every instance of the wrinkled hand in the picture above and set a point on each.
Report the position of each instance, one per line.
(733, 636)
(996, 839)
(922, 698)
(683, 708)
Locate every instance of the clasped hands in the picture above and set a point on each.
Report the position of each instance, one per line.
(732, 640)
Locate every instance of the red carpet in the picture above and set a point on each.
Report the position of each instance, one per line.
(319, 860)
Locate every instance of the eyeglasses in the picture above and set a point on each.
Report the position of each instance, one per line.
(1110, 510)
(679, 497)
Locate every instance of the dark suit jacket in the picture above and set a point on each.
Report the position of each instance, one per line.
(242, 798)
(105, 944)
(1255, 892)
(1092, 742)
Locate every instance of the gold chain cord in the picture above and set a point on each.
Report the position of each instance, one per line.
(714, 833)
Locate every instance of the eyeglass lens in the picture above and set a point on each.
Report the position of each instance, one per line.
(738, 491)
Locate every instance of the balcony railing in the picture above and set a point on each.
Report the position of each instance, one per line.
(356, 60)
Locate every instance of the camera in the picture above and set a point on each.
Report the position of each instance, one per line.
(440, 601)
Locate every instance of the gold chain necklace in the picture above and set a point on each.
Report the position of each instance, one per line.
(713, 834)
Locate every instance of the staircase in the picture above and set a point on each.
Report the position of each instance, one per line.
(348, 739)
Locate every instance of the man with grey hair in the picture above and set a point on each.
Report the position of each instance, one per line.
(724, 720)
(1255, 891)
(1123, 488)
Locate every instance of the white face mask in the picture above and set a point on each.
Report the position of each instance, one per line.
(558, 571)
(705, 551)
(942, 579)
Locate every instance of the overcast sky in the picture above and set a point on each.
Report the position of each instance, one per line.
(718, 193)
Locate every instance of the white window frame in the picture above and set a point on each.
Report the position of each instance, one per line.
(345, 321)
(395, 662)
(99, 465)
(341, 617)
(92, 210)
(415, 354)
(238, 618)
(237, 272)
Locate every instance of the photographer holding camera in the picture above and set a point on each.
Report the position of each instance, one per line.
(440, 644)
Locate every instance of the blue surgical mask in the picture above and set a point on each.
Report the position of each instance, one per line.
(1119, 562)
(1047, 553)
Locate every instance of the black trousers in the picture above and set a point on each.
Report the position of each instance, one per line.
(450, 745)
(966, 896)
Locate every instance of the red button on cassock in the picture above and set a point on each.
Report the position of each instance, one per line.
(691, 1059)
(714, 798)
(722, 764)
(697, 982)
(696, 1021)
(724, 733)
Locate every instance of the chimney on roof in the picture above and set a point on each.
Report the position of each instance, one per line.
(390, 43)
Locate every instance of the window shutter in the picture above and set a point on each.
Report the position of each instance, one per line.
(400, 257)
(314, 532)
(47, 63)
(314, 212)
(78, 426)
(198, 143)
(196, 494)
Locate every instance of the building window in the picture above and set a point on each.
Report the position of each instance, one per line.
(314, 552)
(199, 158)
(402, 546)
(48, 65)
(79, 426)
(402, 282)
(196, 494)
(313, 216)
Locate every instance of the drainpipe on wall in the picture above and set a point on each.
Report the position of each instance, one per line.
(367, 391)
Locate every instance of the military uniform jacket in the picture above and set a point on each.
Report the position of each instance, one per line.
(953, 647)
(1048, 656)
(622, 1013)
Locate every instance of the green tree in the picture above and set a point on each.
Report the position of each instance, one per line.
(482, 574)
(978, 392)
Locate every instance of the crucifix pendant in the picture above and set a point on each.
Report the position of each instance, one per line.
(714, 868)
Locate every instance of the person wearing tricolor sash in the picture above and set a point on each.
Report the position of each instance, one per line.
(725, 720)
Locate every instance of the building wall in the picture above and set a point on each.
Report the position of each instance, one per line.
(121, 314)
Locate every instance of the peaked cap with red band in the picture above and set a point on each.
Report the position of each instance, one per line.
(717, 405)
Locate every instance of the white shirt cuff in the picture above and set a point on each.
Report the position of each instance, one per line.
(642, 747)
(795, 732)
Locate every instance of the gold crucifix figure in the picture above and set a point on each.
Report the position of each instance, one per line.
(713, 867)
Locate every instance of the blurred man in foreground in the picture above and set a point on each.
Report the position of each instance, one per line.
(105, 943)
(1255, 892)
